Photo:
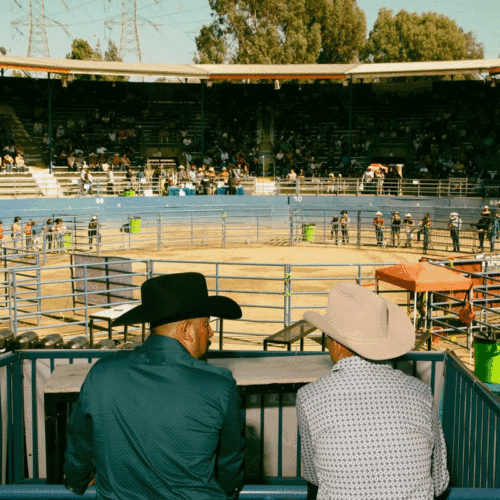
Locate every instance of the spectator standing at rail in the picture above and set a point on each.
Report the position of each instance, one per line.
(94, 232)
(378, 223)
(380, 176)
(331, 184)
(335, 229)
(16, 233)
(232, 181)
(425, 225)
(60, 232)
(110, 181)
(409, 225)
(28, 235)
(483, 226)
(291, 177)
(368, 430)
(88, 182)
(179, 431)
(495, 229)
(455, 226)
(1, 234)
(35, 237)
(224, 175)
(49, 234)
(491, 231)
(395, 228)
(344, 226)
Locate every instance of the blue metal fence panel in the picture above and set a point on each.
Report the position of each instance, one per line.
(40, 208)
(471, 425)
(470, 419)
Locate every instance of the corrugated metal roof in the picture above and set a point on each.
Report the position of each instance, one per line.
(469, 66)
(251, 71)
(278, 71)
(102, 67)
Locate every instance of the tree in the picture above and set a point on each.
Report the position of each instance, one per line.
(81, 50)
(408, 37)
(343, 29)
(281, 32)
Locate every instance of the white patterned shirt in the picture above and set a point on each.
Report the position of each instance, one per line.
(370, 432)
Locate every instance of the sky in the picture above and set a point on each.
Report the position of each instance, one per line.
(168, 28)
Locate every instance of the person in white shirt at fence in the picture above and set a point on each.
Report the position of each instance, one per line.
(331, 184)
(409, 225)
(455, 226)
(291, 176)
(16, 233)
(368, 431)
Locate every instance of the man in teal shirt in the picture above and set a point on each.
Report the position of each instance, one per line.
(158, 422)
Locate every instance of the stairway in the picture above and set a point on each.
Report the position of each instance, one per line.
(47, 183)
(32, 154)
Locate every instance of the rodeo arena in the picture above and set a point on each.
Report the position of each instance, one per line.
(276, 183)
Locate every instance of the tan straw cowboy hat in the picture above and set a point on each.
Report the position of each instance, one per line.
(368, 324)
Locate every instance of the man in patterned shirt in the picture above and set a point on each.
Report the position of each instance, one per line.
(368, 431)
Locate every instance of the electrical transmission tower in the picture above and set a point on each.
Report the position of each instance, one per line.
(129, 42)
(130, 21)
(38, 45)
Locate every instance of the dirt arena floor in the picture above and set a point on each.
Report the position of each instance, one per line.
(236, 265)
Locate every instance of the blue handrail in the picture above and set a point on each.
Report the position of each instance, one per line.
(254, 492)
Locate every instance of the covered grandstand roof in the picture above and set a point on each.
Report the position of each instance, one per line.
(251, 71)
(466, 67)
(277, 71)
(87, 67)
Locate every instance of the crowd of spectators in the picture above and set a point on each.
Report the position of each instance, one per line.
(101, 141)
(445, 130)
(459, 141)
(11, 152)
(443, 134)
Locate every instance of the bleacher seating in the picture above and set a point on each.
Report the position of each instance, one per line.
(256, 121)
(18, 185)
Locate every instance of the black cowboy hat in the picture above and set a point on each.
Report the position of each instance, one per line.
(175, 297)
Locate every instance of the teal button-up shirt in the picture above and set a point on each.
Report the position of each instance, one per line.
(156, 423)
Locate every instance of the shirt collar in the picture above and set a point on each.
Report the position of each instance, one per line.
(167, 345)
(355, 363)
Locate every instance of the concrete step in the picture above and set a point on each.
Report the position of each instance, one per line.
(47, 183)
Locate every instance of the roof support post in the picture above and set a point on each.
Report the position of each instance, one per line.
(50, 83)
(202, 127)
(350, 116)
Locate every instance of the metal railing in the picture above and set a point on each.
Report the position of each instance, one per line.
(225, 226)
(249, 492)
(469, 412)
(441, 317)
(457, 188)
(62, 298)
(73, 186)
